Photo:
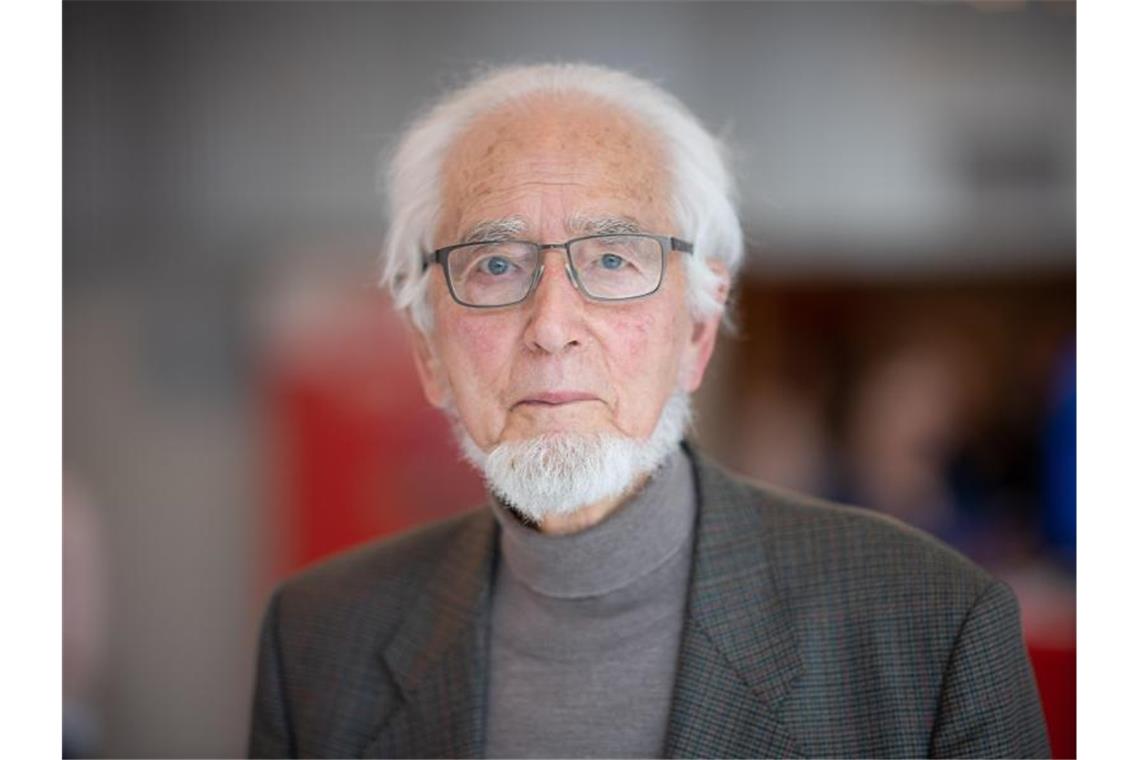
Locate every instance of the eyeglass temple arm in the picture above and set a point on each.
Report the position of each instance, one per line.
(683, 246)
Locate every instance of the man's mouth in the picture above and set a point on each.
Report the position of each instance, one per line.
(556, 398)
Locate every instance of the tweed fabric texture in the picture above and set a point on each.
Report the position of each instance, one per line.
(812, 630)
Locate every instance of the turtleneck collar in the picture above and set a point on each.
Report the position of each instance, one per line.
(637, 538)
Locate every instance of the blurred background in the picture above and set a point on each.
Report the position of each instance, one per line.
(239, 400)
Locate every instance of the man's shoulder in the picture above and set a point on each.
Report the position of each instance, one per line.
(821, 549)
(378, 578)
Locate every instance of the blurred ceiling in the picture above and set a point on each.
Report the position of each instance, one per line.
(868, 138)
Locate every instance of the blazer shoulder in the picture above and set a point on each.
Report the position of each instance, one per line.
(383, 574)
(810, 540)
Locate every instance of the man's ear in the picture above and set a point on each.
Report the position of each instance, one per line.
(433, 379)
(702, 339)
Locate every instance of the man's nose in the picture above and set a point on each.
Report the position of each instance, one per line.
(555, 308)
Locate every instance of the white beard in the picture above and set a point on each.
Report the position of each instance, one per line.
(559, 473)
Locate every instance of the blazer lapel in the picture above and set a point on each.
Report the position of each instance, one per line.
(738, 654)
(438, 657)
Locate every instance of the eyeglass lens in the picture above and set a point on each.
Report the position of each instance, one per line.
(608, 268)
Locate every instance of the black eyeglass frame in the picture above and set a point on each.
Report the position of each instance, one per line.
(667, 243)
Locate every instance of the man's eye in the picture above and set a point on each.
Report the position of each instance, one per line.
(611, 261)
(495, 265)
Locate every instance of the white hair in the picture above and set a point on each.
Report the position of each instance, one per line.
(559, 473)
(703, 191)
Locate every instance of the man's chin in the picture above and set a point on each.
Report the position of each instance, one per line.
(554, 432)
(564, 419)
(559, 473)
(542, 472)
(552, 442)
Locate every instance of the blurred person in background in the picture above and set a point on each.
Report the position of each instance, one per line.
(84, 619)
(905, 435)
(562, 242)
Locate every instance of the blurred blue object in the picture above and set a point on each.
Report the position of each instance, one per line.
(1059, 519)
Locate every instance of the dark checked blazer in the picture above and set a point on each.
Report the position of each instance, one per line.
(812, 630)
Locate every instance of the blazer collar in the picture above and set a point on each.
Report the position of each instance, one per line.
(738, 654)
(438, 656)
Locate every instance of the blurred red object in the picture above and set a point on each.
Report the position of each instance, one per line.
(356, 452)
(1056, 671)
(1048, 600)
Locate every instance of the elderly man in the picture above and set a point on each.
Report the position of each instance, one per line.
(562, 240)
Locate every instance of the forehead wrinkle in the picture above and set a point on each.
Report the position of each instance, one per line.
(590, 148)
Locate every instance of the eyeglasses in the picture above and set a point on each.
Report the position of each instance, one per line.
(496, 273)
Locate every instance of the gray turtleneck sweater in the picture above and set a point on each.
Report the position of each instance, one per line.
(585, 628)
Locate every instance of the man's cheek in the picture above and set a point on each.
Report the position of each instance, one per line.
(482, 338)
(647, 349)
(480, 350)
(633, 335)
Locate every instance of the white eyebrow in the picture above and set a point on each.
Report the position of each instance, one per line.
(495, 229)
(512, 227)
(603, 225)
